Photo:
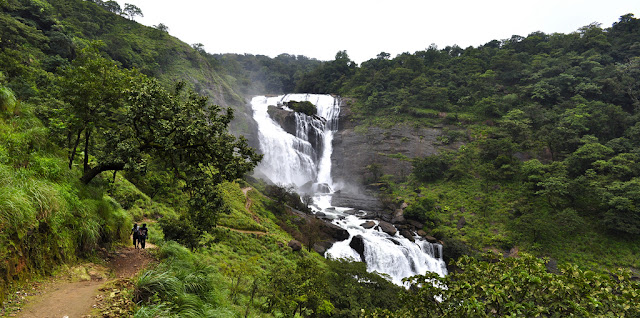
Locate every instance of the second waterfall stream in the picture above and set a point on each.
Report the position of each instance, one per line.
(300, 155)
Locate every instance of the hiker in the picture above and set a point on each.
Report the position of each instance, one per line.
(134, 231)
(143, 234)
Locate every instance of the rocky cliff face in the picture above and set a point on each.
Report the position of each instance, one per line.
(389, 150)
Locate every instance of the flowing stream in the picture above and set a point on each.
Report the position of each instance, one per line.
(301, 156)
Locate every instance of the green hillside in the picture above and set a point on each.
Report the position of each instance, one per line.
(104, 122)
(549, 126)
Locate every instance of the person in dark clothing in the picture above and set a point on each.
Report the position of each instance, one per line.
(143, 233)
(134, 231)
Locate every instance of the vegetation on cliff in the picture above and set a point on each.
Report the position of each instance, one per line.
(549, 123)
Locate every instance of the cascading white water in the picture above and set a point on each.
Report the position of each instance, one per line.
(291, 160)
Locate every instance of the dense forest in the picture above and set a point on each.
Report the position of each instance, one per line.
(104, 122)
(549, 124)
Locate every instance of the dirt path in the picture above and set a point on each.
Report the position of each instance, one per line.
(77, 293)
(244, 231)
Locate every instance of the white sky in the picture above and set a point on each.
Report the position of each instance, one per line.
(364, 28)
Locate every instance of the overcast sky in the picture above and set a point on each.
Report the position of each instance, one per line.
(364, 28)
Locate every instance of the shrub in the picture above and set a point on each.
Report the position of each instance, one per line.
(423, 210)
(430, 168)
(305, 107)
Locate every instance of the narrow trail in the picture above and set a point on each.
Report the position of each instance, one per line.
(247, 207)
(75, 295)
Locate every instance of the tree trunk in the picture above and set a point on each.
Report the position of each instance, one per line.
(87, 137)
(72, 155)
(93, 172)
(254, 288)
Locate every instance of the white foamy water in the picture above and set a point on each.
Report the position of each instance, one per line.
(292, 160)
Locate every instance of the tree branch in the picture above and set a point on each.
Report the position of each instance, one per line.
(93, 172)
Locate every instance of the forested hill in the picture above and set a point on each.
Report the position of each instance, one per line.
(104, 122)
(39, 37)
(551, 134)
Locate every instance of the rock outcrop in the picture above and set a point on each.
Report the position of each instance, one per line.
(357, 244)
(295, 245)
(356, 148)
(387, 228)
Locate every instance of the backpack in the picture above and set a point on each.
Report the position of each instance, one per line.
(142, 232)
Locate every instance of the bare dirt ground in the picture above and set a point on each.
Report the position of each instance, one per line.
(85, 290)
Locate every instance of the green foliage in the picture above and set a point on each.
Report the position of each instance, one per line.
(7, 99)
(351, 289)
(181, 230)
(305, 107)
(423, 210)
(46, 216)
(298, 290)
(623, 203)
(430, 168)
(285, 195)
(183, 286)
(511, 287)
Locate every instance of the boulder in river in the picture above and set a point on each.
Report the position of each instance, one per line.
(357, 243)
(322, 247)
(431, 239)
(369, 224)
(336, 232)
(398, 219)
(387, 228)
(407, 234)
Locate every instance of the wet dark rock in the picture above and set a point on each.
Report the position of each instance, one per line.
(322, 247)
(286, 119)
(430, 239)
(355, 148)
(398, 219)
(351, 212)
(336, 232)
(357, 243)
(415, 224)
(408, 235)
(359, 201)
(394, 241)
(321, 188)
(422, 233)
(387, 228)
(369, 224)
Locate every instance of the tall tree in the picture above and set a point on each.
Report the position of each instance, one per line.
(132, 11)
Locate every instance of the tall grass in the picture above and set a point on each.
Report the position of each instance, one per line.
(47, 216)
(183, 285)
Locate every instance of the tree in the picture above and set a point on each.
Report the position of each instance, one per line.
(112, 6)
(162, 27)
(298, 290)
(7, 98)
(508, 287)
(91, 88)
(430, 168)
(132, 11)
(198, 47)
(623, 203)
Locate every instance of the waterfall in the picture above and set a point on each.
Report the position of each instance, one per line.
(303, 158)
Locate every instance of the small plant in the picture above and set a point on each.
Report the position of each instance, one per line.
(305, 107)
